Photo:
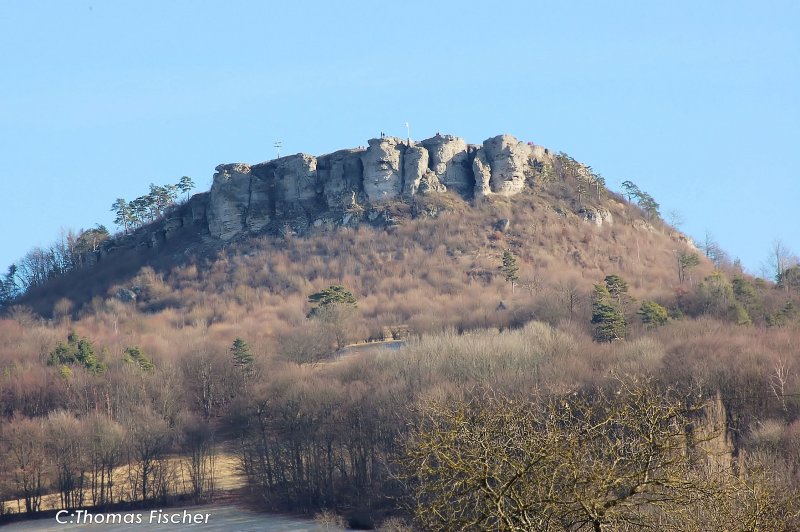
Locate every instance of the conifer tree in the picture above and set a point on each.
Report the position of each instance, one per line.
(653, 315)
(510, 268)
(242, 357)
(333, 295)
(607, 317)
(185, 185)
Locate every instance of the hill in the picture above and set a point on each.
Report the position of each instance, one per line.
(509, 269)
(440, 209)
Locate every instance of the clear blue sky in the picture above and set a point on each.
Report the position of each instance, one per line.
(696, 102)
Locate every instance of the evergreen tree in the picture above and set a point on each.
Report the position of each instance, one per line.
(185, 185)
(8, 286)
(617, 287)
(652, 314)
(510, 269)
(242, 357)
(77, 351)
(134, 355)
(125, 216)
(630, 190)
(649, 205)
(686, 261)
(607, 316)
(333, 295)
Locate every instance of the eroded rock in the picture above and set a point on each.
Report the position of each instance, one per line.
(383, 168)
(228, 200)
(448, 158)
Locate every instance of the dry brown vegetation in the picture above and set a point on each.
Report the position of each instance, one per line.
(310, 435)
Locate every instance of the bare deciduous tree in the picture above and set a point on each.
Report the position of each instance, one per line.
(629, 458)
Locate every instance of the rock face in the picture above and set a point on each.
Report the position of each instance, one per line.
(340, 174)
(340, 188)
(383, 168)
(229, 200)
(597, 216)
(415, 166)
(501, 166)
(449, 160)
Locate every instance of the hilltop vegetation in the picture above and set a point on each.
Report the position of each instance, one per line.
(557, 292)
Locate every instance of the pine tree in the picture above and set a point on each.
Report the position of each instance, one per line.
(333, 295)
(686, 261)
(510, 269)
(653, 315)
(617, 287)
(185, 185)
(134, 355)
(630, 189)
(125, 214)
(607, 317)
(242, 357)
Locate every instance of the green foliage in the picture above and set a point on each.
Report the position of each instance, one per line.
(134, 355)
(653, 315)
(8, 286)
(77, 351)
(185, 185)
(630, 189)
(716, 298)
(648, 204)
(607, 316)
(125, 213)
(242, 357)
(616, 286)
(783, 316)
(333, 295)
(686, 261)
(151, 206)
(90, 239)
(510, 268)
(747, 296)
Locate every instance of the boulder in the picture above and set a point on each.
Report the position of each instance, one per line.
(430, 184)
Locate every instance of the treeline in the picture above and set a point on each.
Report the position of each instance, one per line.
(151, 206)
(69, 252)
(43, 264)
(98, 430)
(96, 460)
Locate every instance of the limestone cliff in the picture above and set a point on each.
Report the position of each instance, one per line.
(302, 190)
(346, 187)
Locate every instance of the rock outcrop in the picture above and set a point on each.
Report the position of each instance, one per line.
(383, 168)
(449, 161)
(229, 200)
(501, 166)
(302, 190)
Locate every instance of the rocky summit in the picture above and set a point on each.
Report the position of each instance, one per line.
(344, 188)
(303, 190)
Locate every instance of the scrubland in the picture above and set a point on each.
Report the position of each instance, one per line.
(310, 431)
